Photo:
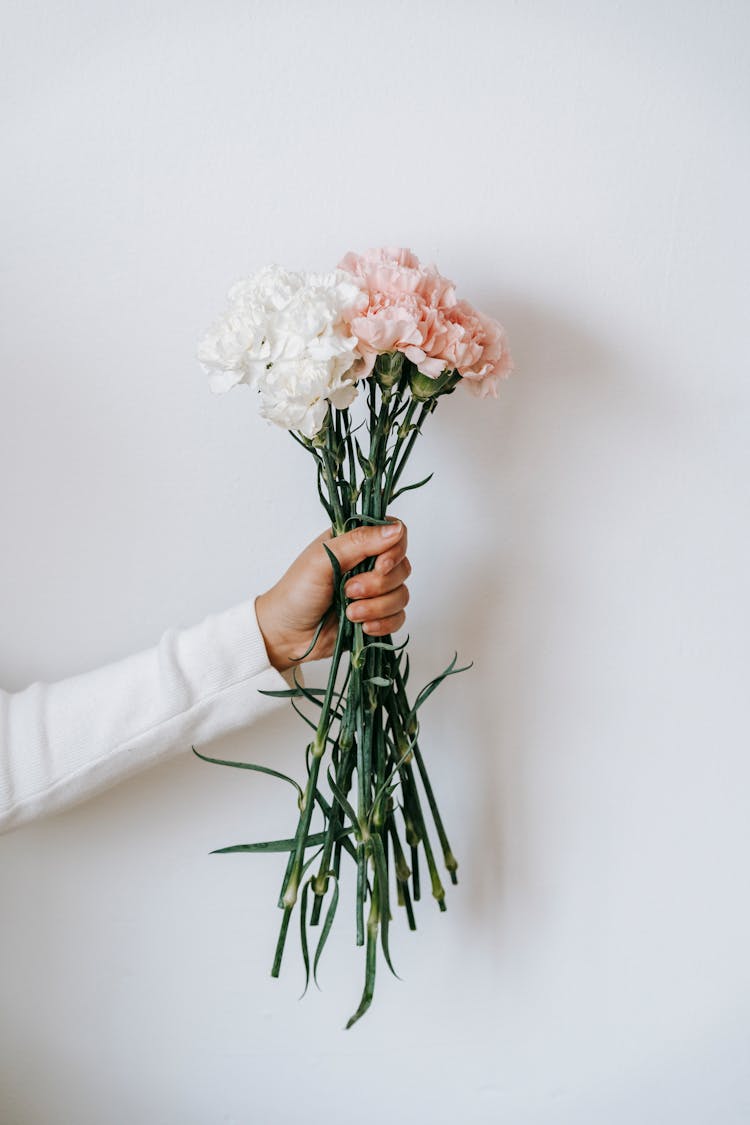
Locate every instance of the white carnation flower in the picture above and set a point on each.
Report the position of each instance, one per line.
(296, 394)
(284, 334)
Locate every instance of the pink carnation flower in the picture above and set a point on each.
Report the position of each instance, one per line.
(481, 355)
(404, 311)
(413, 309)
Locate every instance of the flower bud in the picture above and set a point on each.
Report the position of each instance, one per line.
(424, 387)
(387, 369)
(320, 439)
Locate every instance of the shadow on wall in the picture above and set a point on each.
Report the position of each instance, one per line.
(508, 493)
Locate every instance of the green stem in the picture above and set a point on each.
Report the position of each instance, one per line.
(370, 960)
(450, 860)
(333, 492)
(427, 408)
(343, 780)
(317, 747)
(371, 734)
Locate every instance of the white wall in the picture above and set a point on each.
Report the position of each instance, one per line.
(581, 170)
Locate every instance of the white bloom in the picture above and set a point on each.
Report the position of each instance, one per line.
(284, 335)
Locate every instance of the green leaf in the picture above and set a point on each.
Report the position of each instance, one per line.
(316, 634)
(303, 934)
(326, 924)
(369, 989)
(303, 716)
(326, 505)
(250, 766)
(341, 838)
(364, 464)
(310, 861)
(409, 750)
(304, 442)
(386, 647)
(272, 845)
(411, 487)
(383, 901)
(306, 692)
(342, 800)
(292, 693)
(428, 689)
(359, 520)
(335, 565)
(285, 924)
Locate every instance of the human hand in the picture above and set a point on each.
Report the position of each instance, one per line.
(289, 613)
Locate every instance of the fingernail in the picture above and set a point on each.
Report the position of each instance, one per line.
(354, 589)
(391, 530)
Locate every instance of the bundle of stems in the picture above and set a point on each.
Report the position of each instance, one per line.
(366, 732)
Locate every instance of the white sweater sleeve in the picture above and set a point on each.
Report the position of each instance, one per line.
(63, 742)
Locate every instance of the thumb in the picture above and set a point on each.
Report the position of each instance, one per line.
(362, 543)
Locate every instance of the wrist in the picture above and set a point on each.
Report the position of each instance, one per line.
(277, 647)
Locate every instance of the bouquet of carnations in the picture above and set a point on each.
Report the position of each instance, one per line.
(386, 328)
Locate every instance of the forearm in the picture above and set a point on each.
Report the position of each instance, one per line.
(64, 742)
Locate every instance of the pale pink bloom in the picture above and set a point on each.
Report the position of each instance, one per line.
(413, 309)
(386, 255)
(481, 356)
(404, 311)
